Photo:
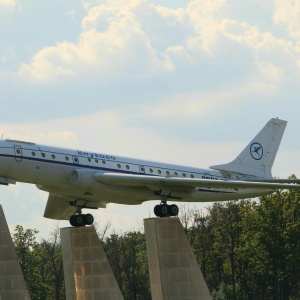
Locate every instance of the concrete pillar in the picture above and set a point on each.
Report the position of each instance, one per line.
(12, 283)
(88, 274)
(174, 271)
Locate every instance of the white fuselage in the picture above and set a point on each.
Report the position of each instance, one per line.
(50, 168)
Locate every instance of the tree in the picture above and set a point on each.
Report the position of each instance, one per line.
(41, 264)
(277, 240)
(201, 240)
(29, 256)
(51, 266)
(128, 259)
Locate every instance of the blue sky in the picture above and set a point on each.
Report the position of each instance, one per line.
(186, 82)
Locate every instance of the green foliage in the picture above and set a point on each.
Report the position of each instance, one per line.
(128, 258)
(29, 255)
(41, 264)
(251, 250)
(224, 292)
(43, 268)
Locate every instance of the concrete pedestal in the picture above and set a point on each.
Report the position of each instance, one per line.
(12, 283)
(88, 274)
(174, 271)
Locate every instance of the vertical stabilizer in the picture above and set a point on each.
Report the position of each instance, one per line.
(258, 157)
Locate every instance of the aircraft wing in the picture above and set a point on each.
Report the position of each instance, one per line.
(58, 207)
(171, 182)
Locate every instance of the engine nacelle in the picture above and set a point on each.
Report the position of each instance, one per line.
(82, 178)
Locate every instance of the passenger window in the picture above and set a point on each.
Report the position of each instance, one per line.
(119, 166)
(53, 156)
(43, 154)
(67, 158)
(33, 153)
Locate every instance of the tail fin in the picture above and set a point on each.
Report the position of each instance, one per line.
(258, 157)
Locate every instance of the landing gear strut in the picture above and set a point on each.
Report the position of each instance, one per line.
(81, 219)
(165, 210)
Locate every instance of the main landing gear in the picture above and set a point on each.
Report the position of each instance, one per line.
(81, 219)
(165, 210)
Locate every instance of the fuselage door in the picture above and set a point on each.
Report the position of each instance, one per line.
(18, 153)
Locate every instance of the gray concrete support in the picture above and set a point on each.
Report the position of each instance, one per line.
(174, 271)
(88, 274)
(12, 283)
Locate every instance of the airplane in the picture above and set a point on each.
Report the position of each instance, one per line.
(77, 179)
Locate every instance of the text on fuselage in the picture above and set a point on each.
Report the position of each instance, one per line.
(211, 178)
(95, 155)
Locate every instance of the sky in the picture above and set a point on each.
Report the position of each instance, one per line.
(184, 82)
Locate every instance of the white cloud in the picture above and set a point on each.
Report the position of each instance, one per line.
(47, 64)
(7, 6)
(133, 39)
(271, 72)
(106, 50)
(70, 132)
(127, 38)
(200, 8)
(202, 105)
(44, 133)
(287, 13)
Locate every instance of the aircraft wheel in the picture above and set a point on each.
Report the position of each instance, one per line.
(157, 210)
(77, 220)
(173, 210)
(88, 219)
(164, 210)
(72, 220)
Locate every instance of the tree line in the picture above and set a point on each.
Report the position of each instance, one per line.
(248, 249)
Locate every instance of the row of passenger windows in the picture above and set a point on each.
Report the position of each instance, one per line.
(67, 158)
(168, 173)
(75, 159)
